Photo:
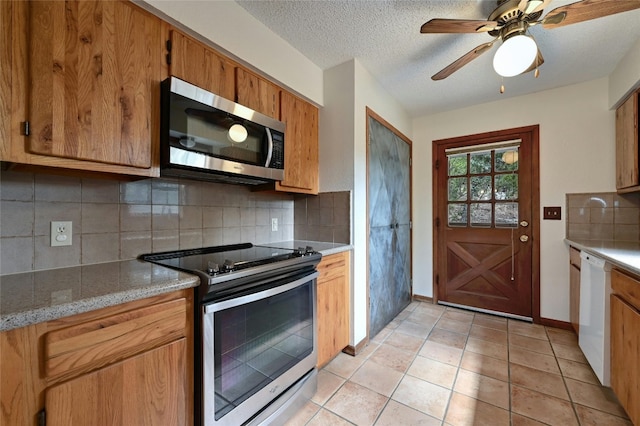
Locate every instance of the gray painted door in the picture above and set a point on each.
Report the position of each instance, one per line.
(389, 225)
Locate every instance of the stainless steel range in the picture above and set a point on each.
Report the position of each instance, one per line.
(255, 330)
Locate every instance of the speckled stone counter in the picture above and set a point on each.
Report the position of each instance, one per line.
(623, 254)
(34, 297)
(325, 248)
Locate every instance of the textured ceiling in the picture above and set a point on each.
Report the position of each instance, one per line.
(384, 35)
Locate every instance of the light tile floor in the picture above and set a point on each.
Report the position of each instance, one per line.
(444, 366)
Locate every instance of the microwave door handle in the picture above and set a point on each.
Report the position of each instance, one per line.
(270, 150)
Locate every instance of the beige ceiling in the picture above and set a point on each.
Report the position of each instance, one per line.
(384, 35)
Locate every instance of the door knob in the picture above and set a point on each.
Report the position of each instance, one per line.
(524, 223)
(524, 238)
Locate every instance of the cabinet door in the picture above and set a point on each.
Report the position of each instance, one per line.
(257, 93)
(6, 11)
(574, 288)
(201, 66)
(301, 145)
(333, 306)
(149, 389)
(625, 356)
(94, 76)
(627, 144)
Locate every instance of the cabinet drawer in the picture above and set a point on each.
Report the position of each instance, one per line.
(96, 343)
(626, 286)
(574, 257)
(332, 266)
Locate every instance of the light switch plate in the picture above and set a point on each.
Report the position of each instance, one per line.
(61, 233)
(274, 224)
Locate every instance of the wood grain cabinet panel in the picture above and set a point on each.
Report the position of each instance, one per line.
(257, 93)
(201, 66)
(93, 73)
(625, 342)
(148, 389)
(627, 175)
(333, 306)
(574, 288)
(129, 364)
(301, 145)
(103, 341)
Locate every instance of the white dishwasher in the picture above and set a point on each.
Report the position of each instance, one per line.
(594, 336)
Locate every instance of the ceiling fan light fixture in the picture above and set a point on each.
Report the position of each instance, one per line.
(515, 55)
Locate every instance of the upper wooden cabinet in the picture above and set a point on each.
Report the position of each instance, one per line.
(627, 176)
(257, 93)
(192, 61)
(85, 76)
(301, 145)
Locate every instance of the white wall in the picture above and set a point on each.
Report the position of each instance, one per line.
(577, 154)
(228, 26)
(349, 90)
(626, 77)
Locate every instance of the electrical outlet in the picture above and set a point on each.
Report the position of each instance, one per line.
(61, 233)
(274, 224)
(551, 213)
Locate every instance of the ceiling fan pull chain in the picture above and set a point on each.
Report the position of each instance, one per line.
(501, 85)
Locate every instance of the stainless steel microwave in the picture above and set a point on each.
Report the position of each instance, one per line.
(207, 137)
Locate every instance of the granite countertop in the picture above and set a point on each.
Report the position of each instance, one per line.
(623, 254)
(33, 297)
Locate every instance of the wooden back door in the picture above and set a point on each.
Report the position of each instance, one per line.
(486, 226)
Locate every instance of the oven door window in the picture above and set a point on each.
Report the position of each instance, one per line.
(256, 342)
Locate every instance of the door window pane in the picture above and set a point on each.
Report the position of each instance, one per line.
(506, 215)
(481, 188)
(458, 189)
(506, 187)
(480, 162)
(457, 215)
(506, 160)
(457, 165)
(480, 214)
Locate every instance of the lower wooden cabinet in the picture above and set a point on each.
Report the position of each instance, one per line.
(333, 306)
(574, 288)
(147, 389)
(130, 364)
(625, 342)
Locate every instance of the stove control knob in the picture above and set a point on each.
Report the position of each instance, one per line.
(309, 250)
(299, 251)
(228, 265)
(213, 268)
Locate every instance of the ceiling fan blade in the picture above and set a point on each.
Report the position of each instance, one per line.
(588, 9)
(457, 26)
(462, 61)
(532, 6)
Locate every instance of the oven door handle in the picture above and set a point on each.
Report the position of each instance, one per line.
(225, 304)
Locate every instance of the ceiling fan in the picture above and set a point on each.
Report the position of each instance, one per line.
(510, 21)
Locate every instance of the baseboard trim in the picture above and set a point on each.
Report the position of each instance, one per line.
(556, 323)
(422, 298)
(355, 350)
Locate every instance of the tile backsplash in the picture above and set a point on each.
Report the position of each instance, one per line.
(603, 216)
(116, 220)
(325, 217)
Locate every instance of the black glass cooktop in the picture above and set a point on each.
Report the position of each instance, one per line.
(218, 260)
